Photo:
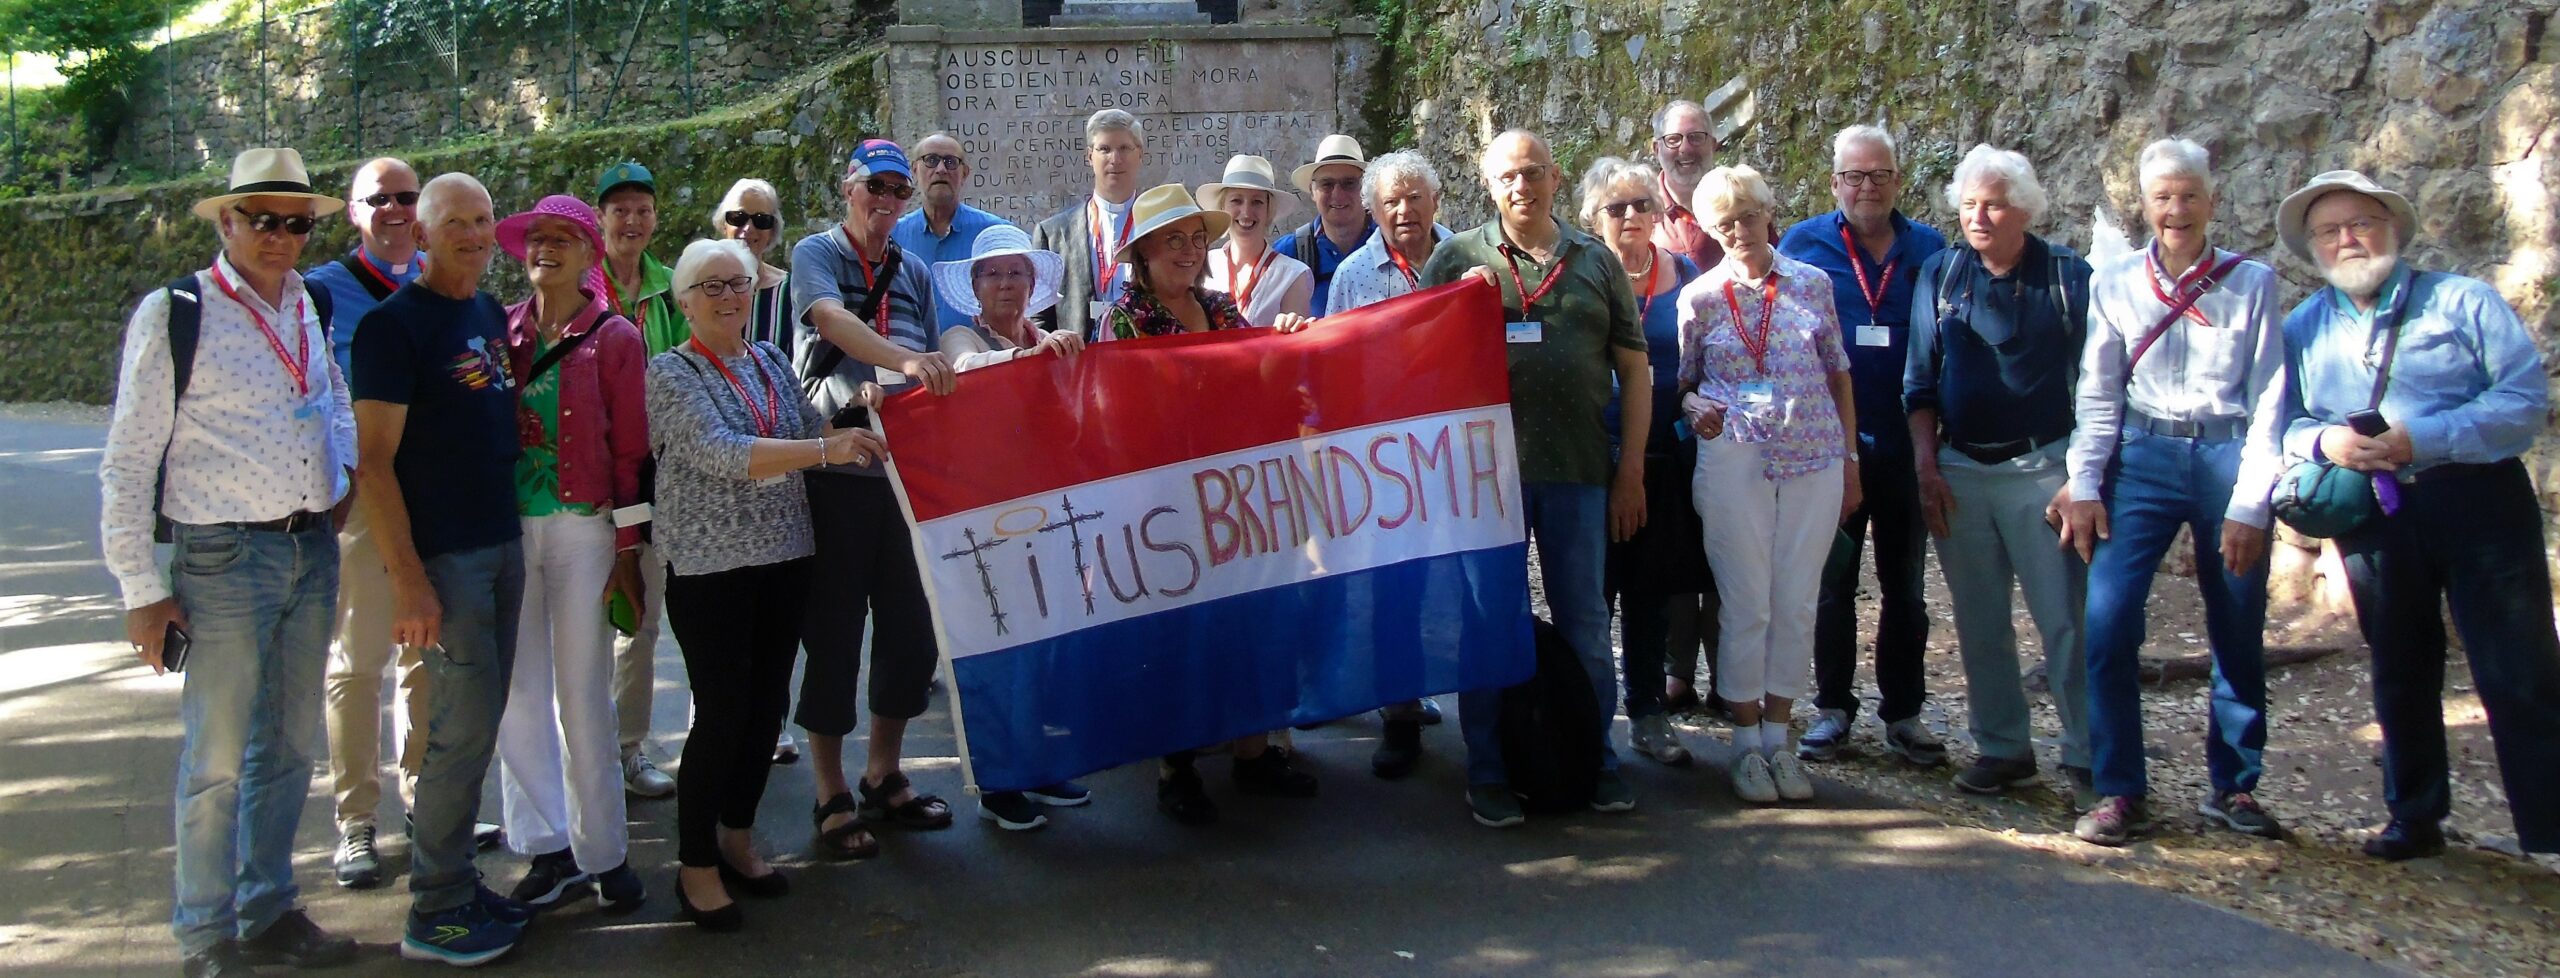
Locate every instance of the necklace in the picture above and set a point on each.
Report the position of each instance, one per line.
(1649, 259)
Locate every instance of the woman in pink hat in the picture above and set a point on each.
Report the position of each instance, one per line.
(585, 435)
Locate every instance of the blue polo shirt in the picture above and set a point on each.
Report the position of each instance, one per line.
(1328, 257)
(349, 300)
(1875, 372)
(917, 239)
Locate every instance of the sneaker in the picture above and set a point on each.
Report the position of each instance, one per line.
(1655, 738)
(2402, 841)
(359, 864)
(1612, 794)
(464, 936)
(2084, 788)
(2239, 812)
(487, 835)
(222, 960)
(1064, 794)
(1787, 772)
(785, 749)
(1430, 712)
(1822, 742)
(549, 880)
(1180, 794)
(619, 890)
(294, 940)
(1494, 806)
(641, 776)
(1752, 780)
(1270, 773)
(2115, 820)
(1012, 811)
(506, 910)
(1993, 775)
(1399, 748)
(1914, 743)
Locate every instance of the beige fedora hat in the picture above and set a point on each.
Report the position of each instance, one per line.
(1247, 173)
(268, 172)
(1336, 149)
(2296, 209)
(1161, 206)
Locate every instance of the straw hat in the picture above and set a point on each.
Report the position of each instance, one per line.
(2296, 209)
(951, 278)
(1160, 207)
(1247, 173)
(1335, 150)
(268, 172)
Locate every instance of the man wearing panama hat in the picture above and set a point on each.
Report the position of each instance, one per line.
(1264, 282)
(1341, 224)
(2429, 380)
(239, 434)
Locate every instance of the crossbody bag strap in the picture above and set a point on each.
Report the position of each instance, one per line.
(2179, 307)
(2390, 343)
(559, 351)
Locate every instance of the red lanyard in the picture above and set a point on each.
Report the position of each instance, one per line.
(870, 281)
(1411, 281)
(2195, 275)
(1874, 294)
(768, 416)
(376, 271)
(1757, 346)
(1520, 285)
(1644, 303)
(1241, 286)
(299, 367)
(1106, 270)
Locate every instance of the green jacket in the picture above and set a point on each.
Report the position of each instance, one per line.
(652, 306)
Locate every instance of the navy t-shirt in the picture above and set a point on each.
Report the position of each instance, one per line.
(446, 359)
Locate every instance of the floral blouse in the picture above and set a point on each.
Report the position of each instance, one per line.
(1140, 313)
(1780, 401)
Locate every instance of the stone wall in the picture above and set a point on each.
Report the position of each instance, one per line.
(76, 264)
(291, 81)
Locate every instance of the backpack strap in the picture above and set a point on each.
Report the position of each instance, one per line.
(186, 326)
(321, 305)
(365, 277)
(1306, 249)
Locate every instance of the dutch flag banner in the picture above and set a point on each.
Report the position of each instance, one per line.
(1165, 543)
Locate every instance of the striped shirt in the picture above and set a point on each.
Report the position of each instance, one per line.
(824, 266)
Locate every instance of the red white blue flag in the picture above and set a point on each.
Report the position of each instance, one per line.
(1166, 543)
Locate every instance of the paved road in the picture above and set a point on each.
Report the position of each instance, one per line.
(1371, 879)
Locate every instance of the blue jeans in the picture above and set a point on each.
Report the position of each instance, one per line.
(259, 605)
(1569, 522)
(482, 591)
(2156, 484)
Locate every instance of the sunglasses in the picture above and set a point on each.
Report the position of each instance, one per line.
(1620, 208)
(938, 161)
(262, 222)
(739, 219)
(883, 188)
(405, 198)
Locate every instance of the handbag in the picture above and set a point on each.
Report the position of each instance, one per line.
(2321, 499)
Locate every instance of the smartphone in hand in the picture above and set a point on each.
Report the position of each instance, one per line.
(2368, 423)
(174, 644)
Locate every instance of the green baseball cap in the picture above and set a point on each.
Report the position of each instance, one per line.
(624, 174)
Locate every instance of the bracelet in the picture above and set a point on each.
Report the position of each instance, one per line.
(822, 453)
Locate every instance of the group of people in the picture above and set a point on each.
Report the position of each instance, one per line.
(1711, 417)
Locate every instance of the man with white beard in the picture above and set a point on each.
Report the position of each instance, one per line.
(2461, 395)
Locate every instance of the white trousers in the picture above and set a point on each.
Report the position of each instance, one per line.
(561, 768)
(1767, 542)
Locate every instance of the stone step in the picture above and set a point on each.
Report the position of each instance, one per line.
(1083, 13)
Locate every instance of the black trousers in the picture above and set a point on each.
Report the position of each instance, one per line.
(738, 630)
(865, 577)
(1892, 506)
(2472, 541)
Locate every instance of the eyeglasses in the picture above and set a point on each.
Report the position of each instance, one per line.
(1741, 219)
(879, 187)
(739, 219)
(939, 161)
(406, 198)
(1332, 184)
(1528, 174)
(2362, 227)
(1195, 241)
(1862, 178)
(1000, 275)
(717, 287)
(263, 222)
(1698, 137)
(1620, 208)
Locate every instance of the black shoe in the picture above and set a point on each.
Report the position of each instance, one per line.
(294, 940)
(764, 887)
(1181, 795)
(222, 960)
(1399, 749)
(619, 890)
(726, 920)
(358, 863)
(1430, 712)
(501, 909)
(1270, 773)
(1012, 811)
(2402, 841)
(549, 880)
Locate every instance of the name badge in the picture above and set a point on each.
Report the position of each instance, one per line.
(1757, 393)
(1531, 331)
(1098, 310)
(774, 480)
(887, 377)
(1873, 334)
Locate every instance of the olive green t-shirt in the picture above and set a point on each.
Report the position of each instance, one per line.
(1560, 386)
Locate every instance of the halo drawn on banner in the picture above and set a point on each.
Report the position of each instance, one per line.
(1036, 522)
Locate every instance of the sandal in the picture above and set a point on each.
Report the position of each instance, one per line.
(920, 812)
(837, 843)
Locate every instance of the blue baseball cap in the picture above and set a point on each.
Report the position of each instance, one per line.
(873, 157)
(624, 174)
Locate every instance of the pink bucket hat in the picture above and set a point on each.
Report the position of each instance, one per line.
(511, 234)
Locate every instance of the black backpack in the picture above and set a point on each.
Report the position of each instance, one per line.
(186, 326)
(1550, 729)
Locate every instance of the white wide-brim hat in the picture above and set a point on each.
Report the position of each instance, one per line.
(1161, 206)
(268, 172)
(1247, 173)
(951, 278)
(2292, 215)
(1335, 150)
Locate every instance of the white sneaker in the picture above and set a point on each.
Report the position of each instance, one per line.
(641, 776)
(1788, 771)
(1751, 779)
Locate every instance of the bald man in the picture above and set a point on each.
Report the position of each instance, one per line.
(942, 227)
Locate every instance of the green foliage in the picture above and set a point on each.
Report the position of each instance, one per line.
(370, 24)
(94, 41)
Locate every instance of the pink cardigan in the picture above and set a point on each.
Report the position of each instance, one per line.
(604, 427)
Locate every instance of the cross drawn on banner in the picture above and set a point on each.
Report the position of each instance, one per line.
(1075, 537)
(977, 554)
